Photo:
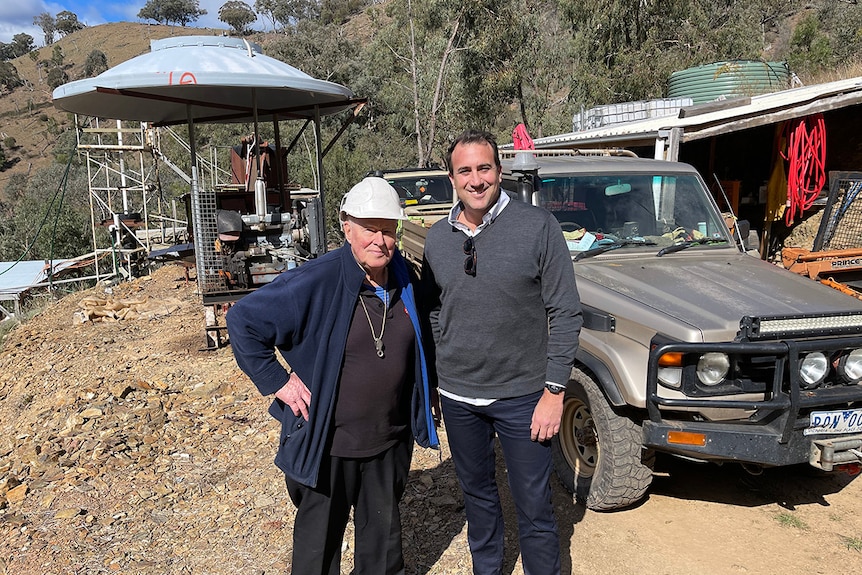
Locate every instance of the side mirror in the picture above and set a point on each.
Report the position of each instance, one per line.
(741, 233)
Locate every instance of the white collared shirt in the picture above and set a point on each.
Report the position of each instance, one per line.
(487, 217)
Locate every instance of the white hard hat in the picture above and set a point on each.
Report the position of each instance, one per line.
(373, 198)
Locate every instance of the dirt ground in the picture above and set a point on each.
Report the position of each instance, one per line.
(125, 448)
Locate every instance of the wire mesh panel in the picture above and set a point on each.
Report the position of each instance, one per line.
(209, 264)
(841, 224)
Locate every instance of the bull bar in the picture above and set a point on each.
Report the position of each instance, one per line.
(773, 434)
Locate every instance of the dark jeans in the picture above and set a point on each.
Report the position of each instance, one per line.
(470, 430)
(373, 486)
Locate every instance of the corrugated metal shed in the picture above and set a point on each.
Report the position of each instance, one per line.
(713, 119)
(16, 278)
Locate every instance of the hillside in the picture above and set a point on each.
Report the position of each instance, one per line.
(27, 114)
(126, 448)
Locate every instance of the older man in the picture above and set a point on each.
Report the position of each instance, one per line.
(347, 325)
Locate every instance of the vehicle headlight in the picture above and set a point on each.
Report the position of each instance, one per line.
(670, 369)
(670, 377)
(850, 367)
(712, 368)
(813, 369)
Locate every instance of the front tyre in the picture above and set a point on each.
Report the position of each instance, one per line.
(598, 454)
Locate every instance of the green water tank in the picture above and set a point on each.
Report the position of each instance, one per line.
(728, 80)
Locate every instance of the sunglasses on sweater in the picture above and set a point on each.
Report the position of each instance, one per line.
(470, 262)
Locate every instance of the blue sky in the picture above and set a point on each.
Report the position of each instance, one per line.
(17, 15)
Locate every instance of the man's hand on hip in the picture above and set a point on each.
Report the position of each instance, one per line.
(295, 395)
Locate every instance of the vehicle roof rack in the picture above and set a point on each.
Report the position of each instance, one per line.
(551, 152)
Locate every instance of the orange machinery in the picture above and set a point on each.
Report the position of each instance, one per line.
(823, 266)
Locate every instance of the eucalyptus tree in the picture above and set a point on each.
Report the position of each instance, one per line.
(626, 49)
(48, 25)
(67, 22)
(48, 215)
(267, 9)
(95, 64)
(826, 38)
(413, 51)
(237, 14)
(288, 13)
(9, 78)
(166, 11)
(492, 33)
(447, 65)
(325, 52)
(183, 11)
(22, 43)
(810, 49)
(340, 11)
(540, 67)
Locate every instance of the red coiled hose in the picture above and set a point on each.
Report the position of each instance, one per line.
(806, 156)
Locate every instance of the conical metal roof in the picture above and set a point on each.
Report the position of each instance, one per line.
(211, 78)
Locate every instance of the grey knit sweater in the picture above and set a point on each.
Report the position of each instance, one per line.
(513, 326)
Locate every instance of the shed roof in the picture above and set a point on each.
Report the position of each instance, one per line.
(720, 117)
(18, 277)
(566, 165)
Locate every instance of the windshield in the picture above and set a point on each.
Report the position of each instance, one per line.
(422, 190)
(596, 210)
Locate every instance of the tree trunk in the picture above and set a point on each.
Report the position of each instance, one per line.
(435, 104)
(415, 77)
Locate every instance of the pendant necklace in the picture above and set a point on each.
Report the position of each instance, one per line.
(378, 341)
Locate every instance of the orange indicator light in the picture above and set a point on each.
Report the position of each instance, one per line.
(686, 438)
(671, 359)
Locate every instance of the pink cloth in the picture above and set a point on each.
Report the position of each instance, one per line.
(521, 138)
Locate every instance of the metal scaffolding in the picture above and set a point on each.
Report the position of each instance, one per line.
(128, 211)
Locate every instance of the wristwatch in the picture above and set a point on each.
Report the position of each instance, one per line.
(555, 388)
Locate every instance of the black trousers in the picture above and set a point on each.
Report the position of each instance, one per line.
(373, 487)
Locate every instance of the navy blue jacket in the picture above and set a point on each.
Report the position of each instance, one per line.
(305, 313)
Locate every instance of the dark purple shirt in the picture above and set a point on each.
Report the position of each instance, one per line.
(372, 409)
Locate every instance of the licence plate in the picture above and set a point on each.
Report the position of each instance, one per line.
(845, 421)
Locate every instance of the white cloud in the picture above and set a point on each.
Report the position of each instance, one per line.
(16, 16)
(25, 9)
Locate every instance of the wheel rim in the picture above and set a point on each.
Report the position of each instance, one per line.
(578, 438)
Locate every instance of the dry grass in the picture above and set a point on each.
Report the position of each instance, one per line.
(26, 113)
(848, 70)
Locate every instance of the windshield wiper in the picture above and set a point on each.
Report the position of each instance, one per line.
(685, 245)
(608, 247)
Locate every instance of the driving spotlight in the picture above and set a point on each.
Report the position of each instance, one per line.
(850, 367)
(813, 369)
